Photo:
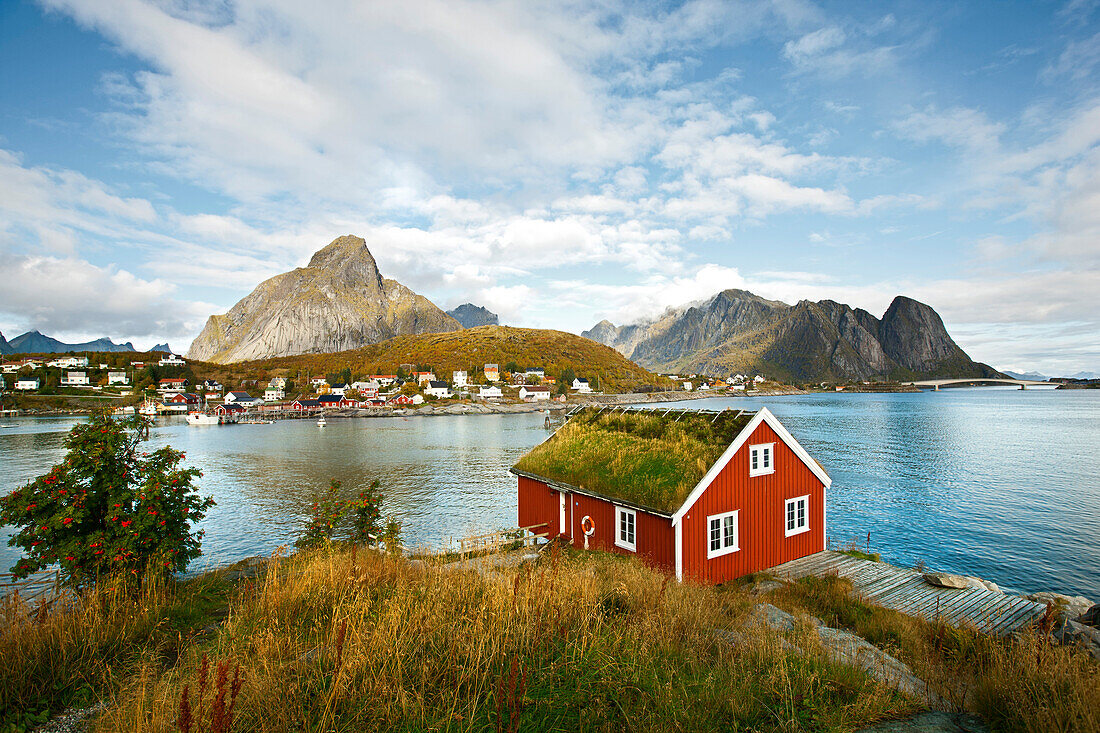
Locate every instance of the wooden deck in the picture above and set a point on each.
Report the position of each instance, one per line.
(905, 590)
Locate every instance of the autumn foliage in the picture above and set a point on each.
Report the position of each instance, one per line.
(108, 508)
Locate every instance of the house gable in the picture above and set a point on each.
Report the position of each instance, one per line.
(763, 416)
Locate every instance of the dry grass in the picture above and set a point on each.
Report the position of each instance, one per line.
(357, 641)
(636, 456)
(1025, 683)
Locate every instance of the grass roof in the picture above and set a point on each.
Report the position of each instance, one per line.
(650, 458)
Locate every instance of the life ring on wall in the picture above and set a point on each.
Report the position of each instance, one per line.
(588, 526)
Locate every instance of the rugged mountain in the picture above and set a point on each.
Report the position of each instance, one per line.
(1036, 376)
(163, 348)
(738, 332)
(339, 301)
(5, 347)
(34, 342)
(472, 316)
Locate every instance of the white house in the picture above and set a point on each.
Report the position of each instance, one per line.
(459, 379)
(437, 389)
(211, 385)
(536, 372)
(173, 384)
(492, 392)
(367, 389)
(27, 384)
(75, 379)
(531, 393)
(384, 379)
(338, 389)
(581, 385)
(318, 382)
(117, 378)
(758, 379)
(69, 362)
(277, 383)
(241, 398)
(686, 386)
(273, 394)
(737, 387)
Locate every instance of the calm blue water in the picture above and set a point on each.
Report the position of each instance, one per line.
(998, 483)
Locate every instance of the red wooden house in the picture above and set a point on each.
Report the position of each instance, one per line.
(708, 496)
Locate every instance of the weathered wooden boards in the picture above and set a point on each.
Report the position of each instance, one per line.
(35, 588)
(905, 590)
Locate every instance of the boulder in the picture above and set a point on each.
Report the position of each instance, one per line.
(1072, 606)
(765, 586)
(931, 722)
(1090, 617)
(949, 580)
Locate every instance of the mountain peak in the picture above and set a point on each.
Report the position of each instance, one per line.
(471, 316)
(339, 301)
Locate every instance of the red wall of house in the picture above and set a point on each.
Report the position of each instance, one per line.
(654, 538)
(761, 521)
(538, 504)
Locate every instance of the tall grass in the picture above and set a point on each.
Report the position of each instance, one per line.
(1023, 683)
(350, 642)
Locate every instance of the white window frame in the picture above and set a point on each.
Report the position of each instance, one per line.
(721, 519)
(805, 516)
(763, 456)
(620, 512)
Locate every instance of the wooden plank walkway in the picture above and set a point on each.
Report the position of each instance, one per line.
(905, 590)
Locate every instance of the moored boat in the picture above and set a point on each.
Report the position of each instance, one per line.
(202, 418)
(148, 408)
(321, 421)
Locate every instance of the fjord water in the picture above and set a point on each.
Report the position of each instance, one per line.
(1003, 484)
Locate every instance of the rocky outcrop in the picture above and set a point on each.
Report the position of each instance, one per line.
(949, 580)
(472, 316)
(339, 301)
(739, 332)
(5, 347)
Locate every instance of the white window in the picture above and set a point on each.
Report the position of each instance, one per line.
(626, 522)
(761, 459)
(722, 534)
(797, 515)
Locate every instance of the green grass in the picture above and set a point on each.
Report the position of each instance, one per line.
(637, 456)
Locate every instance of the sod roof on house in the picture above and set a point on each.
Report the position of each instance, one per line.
(651, 458)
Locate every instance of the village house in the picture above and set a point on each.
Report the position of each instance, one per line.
(171, 360)
(367, 389)
(581, 385)
(273, 394)
(137, 365)
(437, 389)
(181, 402)
(519, 378)
(537, 372)
(69, 362)
(492, 372)
(230, 409)
(211, 385)
(3, 383)
(423, 377)
(758, 379)
(331, 401)
(241, 398)
(318, 382)
(492, 392)
(738, 494)
(114, 378)
(459, 378)
(172, 384)
(534, 393)
(686, 386)
(339, 389)
(75, 379)
(384, 379)
(277, 383)
(27, 384)
(305, 405)
(11, 367)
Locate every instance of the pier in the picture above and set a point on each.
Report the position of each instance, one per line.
(906, 590)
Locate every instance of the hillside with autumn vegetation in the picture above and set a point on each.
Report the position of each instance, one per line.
(469, 350)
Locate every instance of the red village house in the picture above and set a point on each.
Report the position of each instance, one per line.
(708, 496)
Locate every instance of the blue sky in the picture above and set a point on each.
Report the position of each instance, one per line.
(558, 163)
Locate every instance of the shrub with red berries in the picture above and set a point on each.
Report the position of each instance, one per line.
(108, 508)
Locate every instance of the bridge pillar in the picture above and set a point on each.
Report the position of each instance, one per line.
(1023, 386)
(936, 389)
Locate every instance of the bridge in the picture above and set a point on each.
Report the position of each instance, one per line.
(935, 384)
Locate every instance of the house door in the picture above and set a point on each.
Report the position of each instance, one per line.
(563, 499)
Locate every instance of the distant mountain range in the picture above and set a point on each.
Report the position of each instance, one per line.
(1035, 376)
(472, 316)
(736, 331)
(339, 301)
(34, 342)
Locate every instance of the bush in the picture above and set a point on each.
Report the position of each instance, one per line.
(357, 520)
(325, 515)
(108, 508)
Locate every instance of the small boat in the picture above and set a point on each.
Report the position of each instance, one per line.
(321, 421)
(148, 408)
(202, 418)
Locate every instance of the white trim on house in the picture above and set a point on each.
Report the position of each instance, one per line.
(725, 546)
(627, 540)
(764, 415)
(679, 528)
(761, 459)
(798, 528)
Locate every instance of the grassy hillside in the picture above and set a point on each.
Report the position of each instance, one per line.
(469, 349)
(351, 640)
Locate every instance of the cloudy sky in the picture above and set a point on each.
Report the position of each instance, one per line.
(558, 162)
